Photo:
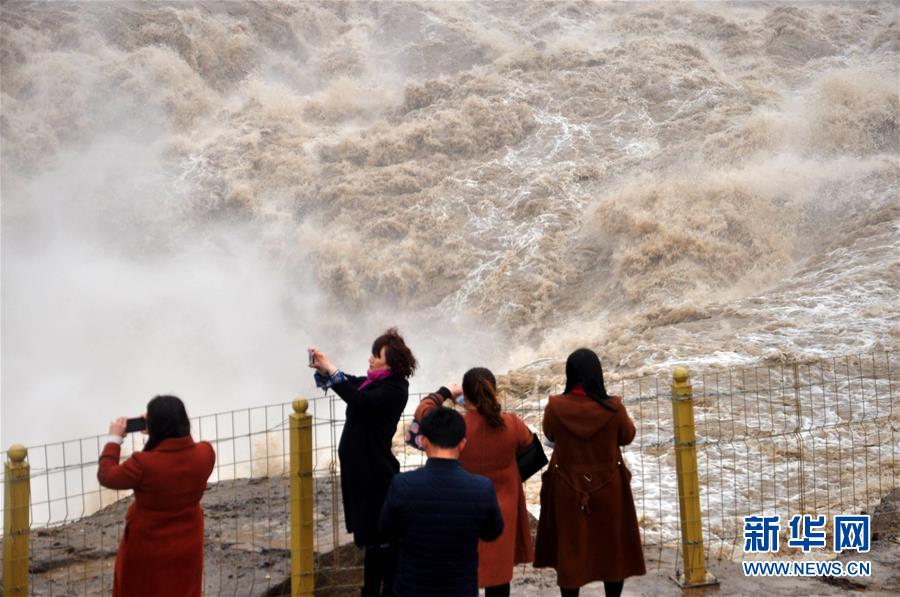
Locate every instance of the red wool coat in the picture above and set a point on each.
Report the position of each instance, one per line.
(588, 527)
(491, 452)
(161, 551)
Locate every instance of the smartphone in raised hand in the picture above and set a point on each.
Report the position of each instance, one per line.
(135, 424)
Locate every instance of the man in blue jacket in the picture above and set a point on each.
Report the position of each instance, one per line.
(438, 513)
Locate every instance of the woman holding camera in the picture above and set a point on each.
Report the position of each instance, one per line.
(493, 438)
(588, 527)
(161, 551)
(374, 405)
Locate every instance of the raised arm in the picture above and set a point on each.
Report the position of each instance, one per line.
(431, 401)
(113, 475)
(326, 374)
(110, 473)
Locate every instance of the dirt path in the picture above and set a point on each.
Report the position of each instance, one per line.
(247, 553)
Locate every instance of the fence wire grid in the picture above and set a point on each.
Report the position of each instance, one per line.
(814, 437)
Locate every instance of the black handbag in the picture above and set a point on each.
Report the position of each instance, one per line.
(531, 459)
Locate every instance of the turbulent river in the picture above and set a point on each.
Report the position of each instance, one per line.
(192, 193)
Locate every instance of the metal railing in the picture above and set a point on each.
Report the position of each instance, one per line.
(76, 524)
(798, 438)
(794, 438)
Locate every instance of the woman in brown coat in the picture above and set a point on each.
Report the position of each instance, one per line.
(493, 439)
(588, 527)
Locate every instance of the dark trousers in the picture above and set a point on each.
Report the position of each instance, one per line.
(379, 571)
(612, 588)
(497, 591)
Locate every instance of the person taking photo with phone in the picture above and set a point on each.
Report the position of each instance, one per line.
(493, 440)
(374, 405)
(161, 550)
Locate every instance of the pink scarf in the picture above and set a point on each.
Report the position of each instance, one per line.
(372, 376)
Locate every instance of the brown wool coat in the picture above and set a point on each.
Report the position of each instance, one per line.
(161, 551)
(588, 527)
(491, 452)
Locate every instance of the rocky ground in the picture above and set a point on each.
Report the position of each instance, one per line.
(247, 553)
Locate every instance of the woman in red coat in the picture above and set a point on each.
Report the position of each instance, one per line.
(161, 551)
(588, 526)
(493, 439)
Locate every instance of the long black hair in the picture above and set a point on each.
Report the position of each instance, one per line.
(480, 387)
(583, 369)
(166, 418)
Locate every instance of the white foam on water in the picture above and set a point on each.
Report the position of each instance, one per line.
(193, 194)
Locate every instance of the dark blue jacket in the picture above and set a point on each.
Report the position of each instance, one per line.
(438, 513)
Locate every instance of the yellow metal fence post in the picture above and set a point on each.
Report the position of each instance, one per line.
(302, 576)
(16, 529)
(695, 573)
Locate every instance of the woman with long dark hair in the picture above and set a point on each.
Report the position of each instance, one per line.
(493, 438)
(588, 527)
(161, 551)
(374, 405)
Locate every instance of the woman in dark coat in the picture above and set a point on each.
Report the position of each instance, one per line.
(588, 527)
(161, 551)
(374, 406)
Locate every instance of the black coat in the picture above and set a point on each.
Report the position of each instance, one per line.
(367, 463)
(439, 513)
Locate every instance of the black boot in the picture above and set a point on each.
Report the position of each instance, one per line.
(391, 553)
(373, 572)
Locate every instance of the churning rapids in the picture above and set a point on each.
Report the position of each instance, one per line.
(193, 193)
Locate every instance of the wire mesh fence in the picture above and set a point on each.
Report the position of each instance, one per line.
(800, 438)
(76, 524)
(795, 438)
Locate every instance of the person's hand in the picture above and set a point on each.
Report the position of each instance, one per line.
(321, 362)
(455, 390)
(117, 427)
